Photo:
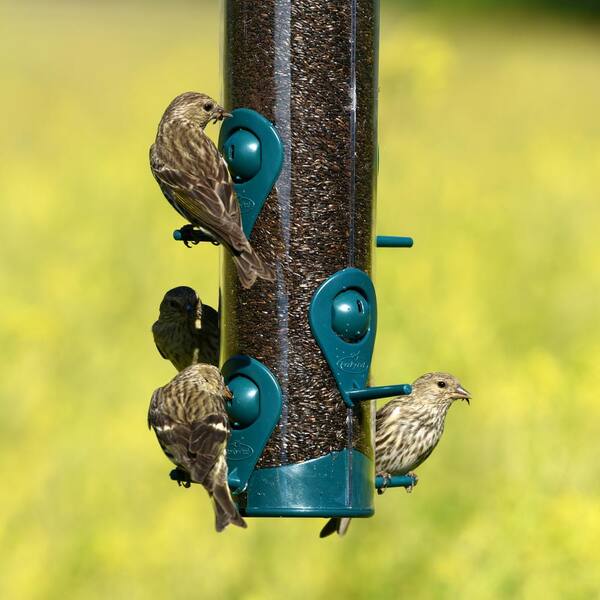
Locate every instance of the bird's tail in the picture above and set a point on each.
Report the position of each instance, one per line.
(215, 483)
(250, 266)
(336, 524)
(226, 511)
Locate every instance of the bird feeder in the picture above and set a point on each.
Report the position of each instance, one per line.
(301, 82)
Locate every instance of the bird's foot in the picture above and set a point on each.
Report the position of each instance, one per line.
(188, 235)
(410, 488)
(181, 477)
(387, 478)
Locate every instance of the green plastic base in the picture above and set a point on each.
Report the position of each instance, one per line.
(339, 484)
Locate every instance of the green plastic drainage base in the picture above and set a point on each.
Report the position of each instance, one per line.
(339, 484)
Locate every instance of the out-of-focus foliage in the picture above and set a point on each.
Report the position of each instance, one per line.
(490, 158)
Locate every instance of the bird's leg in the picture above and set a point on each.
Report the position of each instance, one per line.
(187, 234)
(410, 488)
(387, 478)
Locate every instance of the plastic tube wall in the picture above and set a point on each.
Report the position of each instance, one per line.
(310, 67)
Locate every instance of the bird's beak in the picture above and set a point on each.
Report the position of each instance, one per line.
(219, 113)
(463, 394)
(198, 314)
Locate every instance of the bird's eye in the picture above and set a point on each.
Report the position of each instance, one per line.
(173, 304)
(208, 106)
(441, 384)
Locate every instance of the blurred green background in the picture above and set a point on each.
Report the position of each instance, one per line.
(490, 158)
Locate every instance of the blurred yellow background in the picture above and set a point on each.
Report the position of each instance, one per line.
(490, 158)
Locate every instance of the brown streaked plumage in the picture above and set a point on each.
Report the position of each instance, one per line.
(187, 331)
(408, 429)
(194, 178)
(189, 419)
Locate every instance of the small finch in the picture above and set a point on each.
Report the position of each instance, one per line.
(187, 331)
(408, 429)
(194, 178)
(189, 419)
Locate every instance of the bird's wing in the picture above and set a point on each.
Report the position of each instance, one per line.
(156, 166)
(200, 165)
(206, 444)
(194, 446)
(226, 191)
(153, 409)
(201, 189)
(209, 206)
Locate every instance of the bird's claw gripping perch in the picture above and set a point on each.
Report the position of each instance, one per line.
(181, 477)
(411, 487)
(386, 481)
(188, 234)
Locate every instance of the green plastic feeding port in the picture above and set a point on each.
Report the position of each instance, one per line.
(244, 407)
(343, 319)
(242, 152)
(254, 153)
(350, 315)
(254, 411)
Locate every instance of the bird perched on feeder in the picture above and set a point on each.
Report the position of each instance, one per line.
(408, 428)
(189, 419)
(194, 178)
(187, 331)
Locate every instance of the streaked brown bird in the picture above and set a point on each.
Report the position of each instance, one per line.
(189, 419)
(194, 178)
(187, 331)
(408, 428)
